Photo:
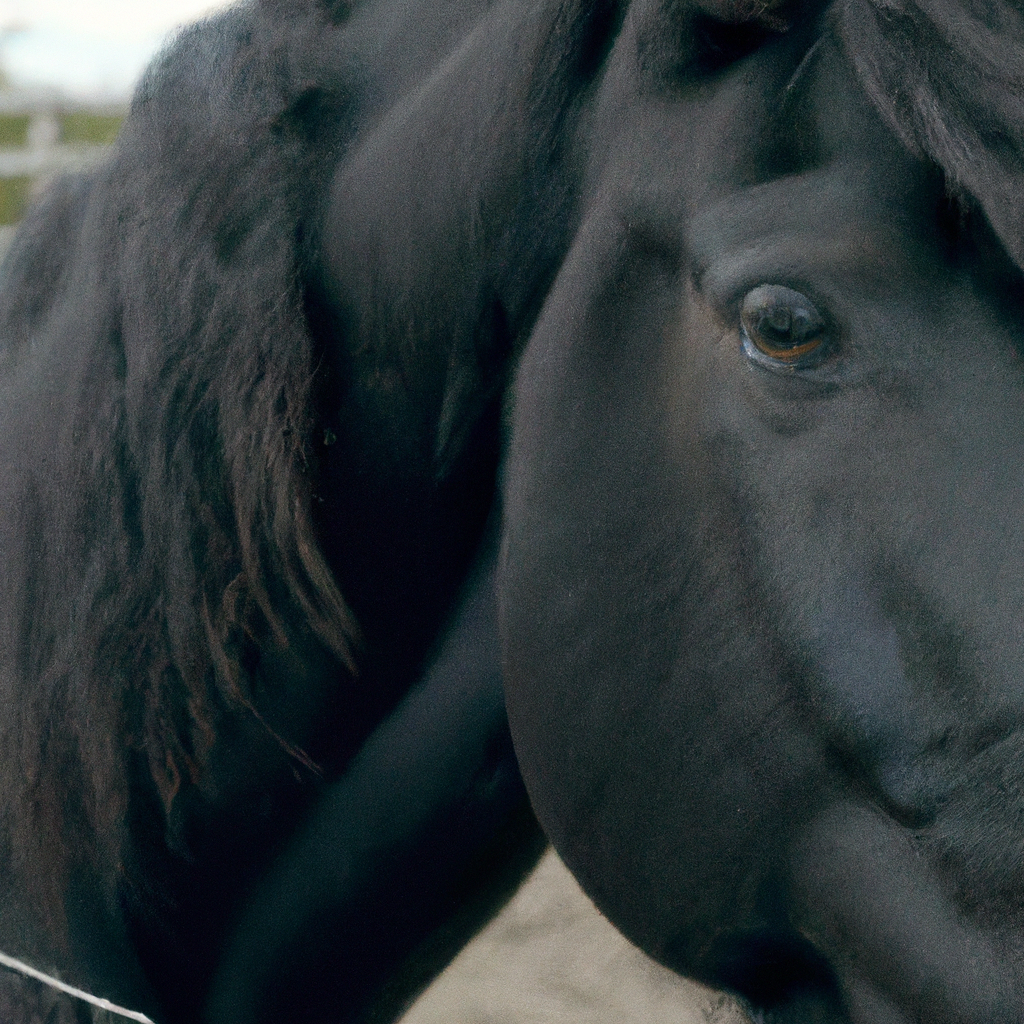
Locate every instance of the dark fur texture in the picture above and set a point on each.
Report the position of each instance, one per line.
(253, 370)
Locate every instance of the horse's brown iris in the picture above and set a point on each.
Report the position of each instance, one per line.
(781, 326)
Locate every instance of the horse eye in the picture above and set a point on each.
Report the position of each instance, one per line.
(781, 328)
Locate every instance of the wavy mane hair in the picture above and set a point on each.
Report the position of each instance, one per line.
(162, 536)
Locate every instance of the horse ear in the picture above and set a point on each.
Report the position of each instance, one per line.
(948, 78)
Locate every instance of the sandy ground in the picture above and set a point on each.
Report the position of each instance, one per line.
(551, 958)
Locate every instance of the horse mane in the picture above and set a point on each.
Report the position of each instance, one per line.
(948, 78)
(160, 534)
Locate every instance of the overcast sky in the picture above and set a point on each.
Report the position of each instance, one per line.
(88, 48)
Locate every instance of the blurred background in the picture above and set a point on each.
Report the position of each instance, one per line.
(67, 70)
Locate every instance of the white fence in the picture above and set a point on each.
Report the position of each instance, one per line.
(41, 135)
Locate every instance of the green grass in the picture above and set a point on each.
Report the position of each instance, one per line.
(82, 126)
(13, 130)
(14, 194)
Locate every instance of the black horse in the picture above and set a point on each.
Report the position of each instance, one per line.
(756, 270)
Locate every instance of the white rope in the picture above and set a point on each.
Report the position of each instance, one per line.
(103, 1004)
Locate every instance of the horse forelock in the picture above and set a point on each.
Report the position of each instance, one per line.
(947, 76)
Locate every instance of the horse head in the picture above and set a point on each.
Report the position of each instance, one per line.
(760, 590)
